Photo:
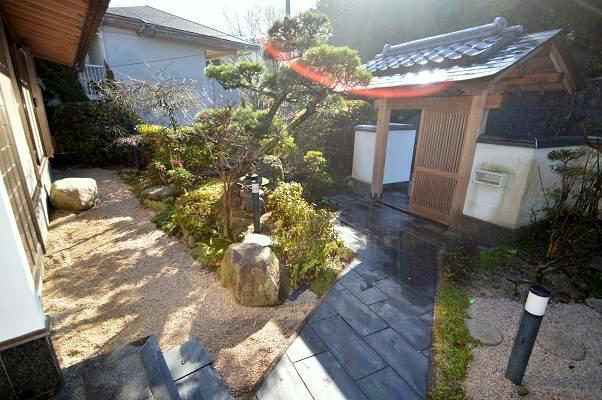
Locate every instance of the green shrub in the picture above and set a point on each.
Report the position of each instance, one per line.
(304, 235)
(93, 131)
(176, 148)
(166, 220)
(318, 182)
(180, 177)
(211, 252)
(200, 211)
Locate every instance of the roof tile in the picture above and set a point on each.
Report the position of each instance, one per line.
(462, 55)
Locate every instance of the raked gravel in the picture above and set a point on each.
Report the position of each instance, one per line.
(547, 377)
(113, 277)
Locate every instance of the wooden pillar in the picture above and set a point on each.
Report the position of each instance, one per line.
(477, 119)
(380, 148)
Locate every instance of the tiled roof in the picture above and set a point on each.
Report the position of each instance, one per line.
(157, 17)
(469, 54)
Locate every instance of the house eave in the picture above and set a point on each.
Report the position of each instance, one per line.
(222, 46)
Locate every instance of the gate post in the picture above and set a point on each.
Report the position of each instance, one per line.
(380, 148)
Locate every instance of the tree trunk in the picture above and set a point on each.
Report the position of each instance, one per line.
(228, 208)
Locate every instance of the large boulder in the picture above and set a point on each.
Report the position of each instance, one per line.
(75, 194)
(160, 192)
(270, 167)
(253, 275)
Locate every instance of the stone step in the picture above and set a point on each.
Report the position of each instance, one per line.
(140, 371)
(136, 371)
(192, 372)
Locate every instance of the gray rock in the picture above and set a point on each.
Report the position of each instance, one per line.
(561, 345)
(160, 192)
(483, 332)
(253, 275)
(190, 241)
(74, 194)
(270, 167)
(594, 303)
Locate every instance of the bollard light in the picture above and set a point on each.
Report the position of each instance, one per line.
(255, 187)
(535, 308)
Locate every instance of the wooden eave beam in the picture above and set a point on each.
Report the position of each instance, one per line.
(446, 103)
(529, 79)
(563, 61)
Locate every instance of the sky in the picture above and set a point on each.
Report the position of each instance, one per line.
(213, 13)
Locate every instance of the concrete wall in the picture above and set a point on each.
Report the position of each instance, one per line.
(510, 206)
(398, 161)
(129, 56)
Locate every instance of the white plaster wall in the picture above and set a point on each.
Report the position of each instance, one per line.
(20, 308)
(533, 197)
(510, 206)
(363, 155)
(398, 161)
(187, 60)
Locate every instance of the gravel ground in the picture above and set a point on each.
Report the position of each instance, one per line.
(112, 277)
(547, 377)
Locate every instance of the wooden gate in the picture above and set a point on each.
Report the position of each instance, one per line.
(437, 163)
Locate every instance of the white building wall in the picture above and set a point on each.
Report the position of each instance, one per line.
(20, 309)
(398, 159)
(135, 56)
(510, 206)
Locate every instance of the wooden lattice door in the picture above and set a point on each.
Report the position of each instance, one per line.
(437, 163)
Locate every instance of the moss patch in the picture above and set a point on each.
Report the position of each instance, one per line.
(451, 340)
(494, 257)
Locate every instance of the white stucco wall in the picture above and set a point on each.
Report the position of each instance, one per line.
(398, 161)
(20, 309)
(181, 60)
(510, 206)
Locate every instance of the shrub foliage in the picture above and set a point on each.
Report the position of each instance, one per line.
(200, 211)
(305, 237)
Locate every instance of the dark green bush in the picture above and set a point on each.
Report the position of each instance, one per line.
(305, 239)
(176, 148)
(93, 131)
(59, 81)
(318, 183)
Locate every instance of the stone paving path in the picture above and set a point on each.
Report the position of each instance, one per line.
(370, 338)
